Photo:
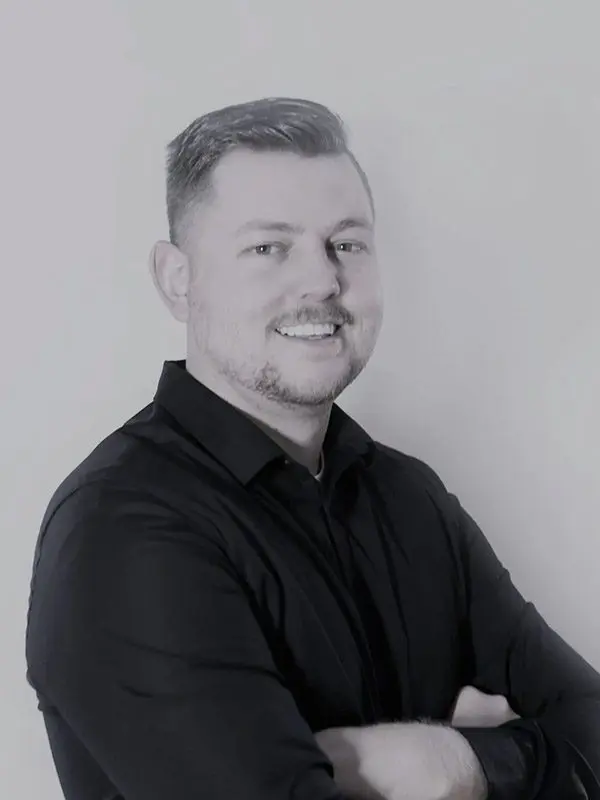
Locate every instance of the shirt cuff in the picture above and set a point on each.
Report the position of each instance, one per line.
(509, 758)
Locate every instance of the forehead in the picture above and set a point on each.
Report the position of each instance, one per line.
(304, 189)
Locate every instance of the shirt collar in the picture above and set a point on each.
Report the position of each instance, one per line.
(232, 437)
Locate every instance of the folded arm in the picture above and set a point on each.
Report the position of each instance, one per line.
(554, 749)
(143, 637)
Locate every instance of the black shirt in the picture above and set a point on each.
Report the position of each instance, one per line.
(200, 606)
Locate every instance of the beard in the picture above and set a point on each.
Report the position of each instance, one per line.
(225, 354)
(269, 382)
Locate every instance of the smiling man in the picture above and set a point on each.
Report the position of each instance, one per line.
(258, 263)
(239, 594)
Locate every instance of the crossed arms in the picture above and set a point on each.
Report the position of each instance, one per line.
(174, 692)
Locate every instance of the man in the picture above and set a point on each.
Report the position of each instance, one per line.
(239, 595)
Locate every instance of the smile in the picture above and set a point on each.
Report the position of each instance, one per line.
(310, 332)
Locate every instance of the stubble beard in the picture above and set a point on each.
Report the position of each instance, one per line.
(269, 383)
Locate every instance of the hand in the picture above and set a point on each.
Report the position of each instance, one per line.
(403, 761)
(344, 749)
(474, 709)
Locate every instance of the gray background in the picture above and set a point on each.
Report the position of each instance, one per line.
(478, 123)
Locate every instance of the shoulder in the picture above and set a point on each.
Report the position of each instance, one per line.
(104, 522)
(391, 464)
(138, 477)
(112, 514)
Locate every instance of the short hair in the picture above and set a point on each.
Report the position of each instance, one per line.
(272, 123)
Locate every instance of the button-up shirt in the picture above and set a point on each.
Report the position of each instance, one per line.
(200, 606)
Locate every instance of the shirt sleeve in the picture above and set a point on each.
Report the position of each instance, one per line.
(148, 644)
(554, 750)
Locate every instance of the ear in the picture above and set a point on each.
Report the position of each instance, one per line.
(171, 274)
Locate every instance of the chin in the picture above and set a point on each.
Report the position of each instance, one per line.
(295, 392)
(314, 393)
(300, 384)
(307, 399)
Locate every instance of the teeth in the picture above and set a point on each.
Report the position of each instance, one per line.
(309, 330)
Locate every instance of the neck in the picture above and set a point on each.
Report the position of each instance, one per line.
(299, 431)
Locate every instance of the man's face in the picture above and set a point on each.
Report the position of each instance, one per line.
(250, 281)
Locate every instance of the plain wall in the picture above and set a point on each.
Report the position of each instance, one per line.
(478, 124)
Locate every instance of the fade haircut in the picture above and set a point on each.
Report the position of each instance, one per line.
(273, 123)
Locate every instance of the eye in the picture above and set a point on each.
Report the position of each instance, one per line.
(360, 247)
(260, 249)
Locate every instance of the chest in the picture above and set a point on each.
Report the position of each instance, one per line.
(359, 602)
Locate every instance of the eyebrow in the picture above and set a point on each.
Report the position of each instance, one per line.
(286, 227)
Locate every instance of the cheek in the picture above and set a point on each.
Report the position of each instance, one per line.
(366, 301)
(234, 316)
(365, 287)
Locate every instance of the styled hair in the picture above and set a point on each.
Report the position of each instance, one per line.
(272, 123)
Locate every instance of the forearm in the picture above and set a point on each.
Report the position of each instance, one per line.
(512, 651)
(510, 759)
(555, 748)
(539, 758)
(462, 772)
(396, 761)
(550, 755)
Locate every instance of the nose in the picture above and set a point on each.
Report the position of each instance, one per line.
(319, 274)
